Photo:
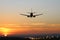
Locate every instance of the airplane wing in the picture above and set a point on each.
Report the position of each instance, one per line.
(38, 14)
(24, 14)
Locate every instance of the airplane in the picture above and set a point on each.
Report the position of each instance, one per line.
(31, 14)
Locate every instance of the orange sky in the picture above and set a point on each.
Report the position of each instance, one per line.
(31, 29)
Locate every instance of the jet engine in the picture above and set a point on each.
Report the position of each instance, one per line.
(28, 16)
(34, 16)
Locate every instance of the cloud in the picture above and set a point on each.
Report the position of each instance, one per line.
(53, 25)
(30, 25)
(33, 24)
(36, 27)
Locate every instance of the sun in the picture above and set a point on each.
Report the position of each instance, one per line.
(5, 31)
(5, 35)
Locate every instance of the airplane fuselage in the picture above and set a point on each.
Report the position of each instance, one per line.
(31, 14)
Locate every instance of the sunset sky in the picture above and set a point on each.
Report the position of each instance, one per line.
(16, 24)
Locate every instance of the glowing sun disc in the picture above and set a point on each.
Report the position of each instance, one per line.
(5, 35)
(5, 31)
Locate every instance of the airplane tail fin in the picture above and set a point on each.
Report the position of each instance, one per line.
(31, 11)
